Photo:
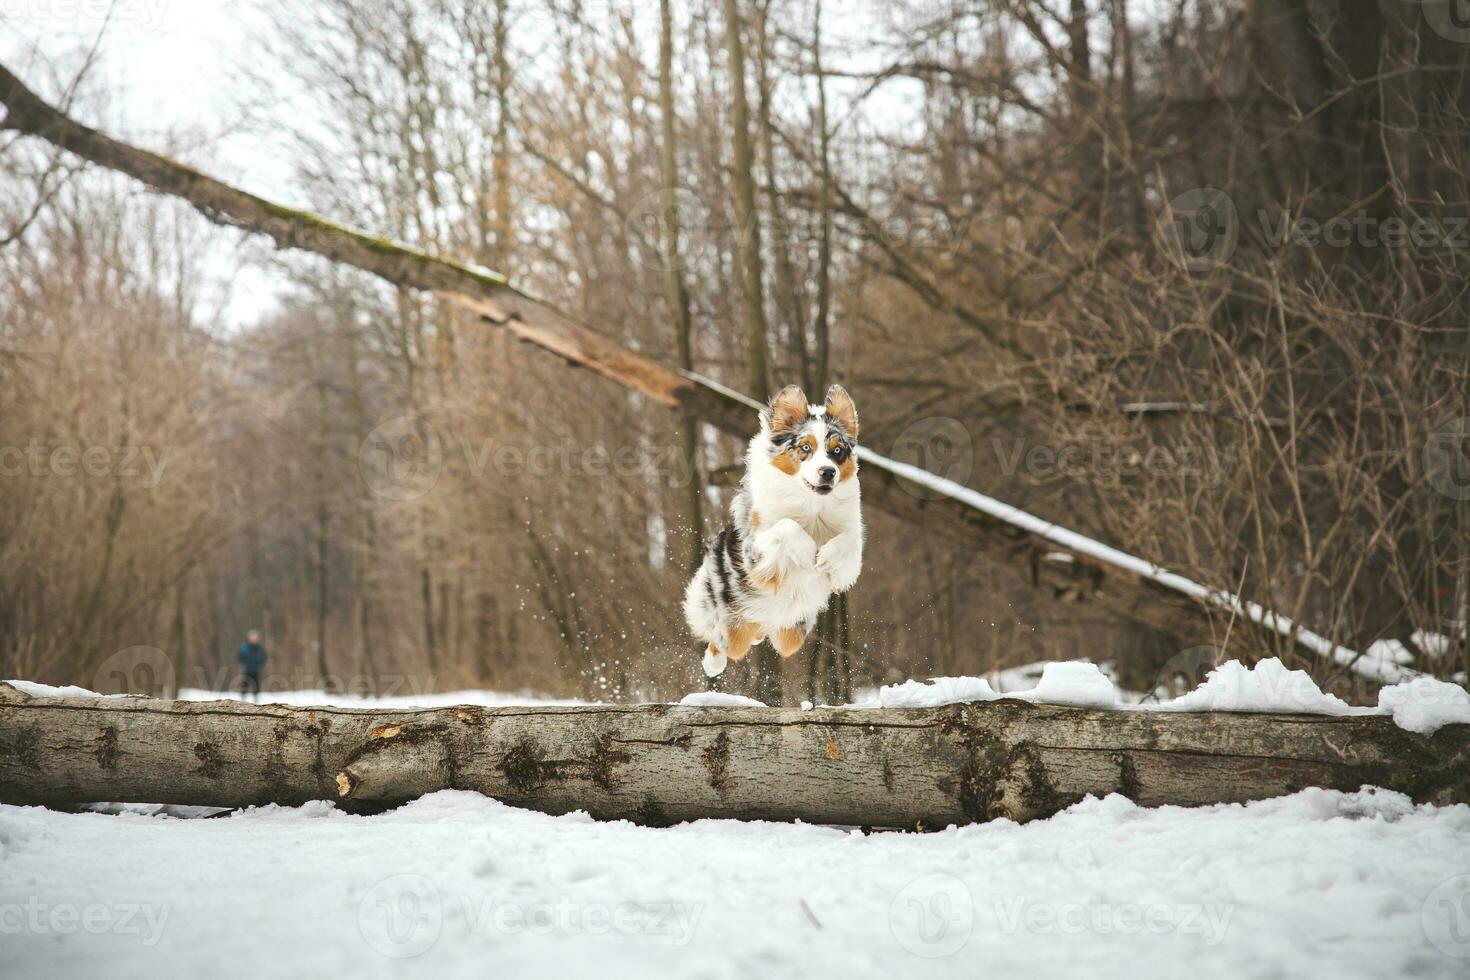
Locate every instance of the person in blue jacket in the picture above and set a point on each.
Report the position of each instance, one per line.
(252, 659)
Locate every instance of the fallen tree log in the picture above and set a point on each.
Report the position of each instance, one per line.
(658, 764)
(1068, 566)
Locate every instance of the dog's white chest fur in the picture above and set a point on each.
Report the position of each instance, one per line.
(808, 571)
(795, 537)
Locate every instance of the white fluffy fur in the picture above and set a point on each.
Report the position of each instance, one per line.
(817, 540)
(812, 542)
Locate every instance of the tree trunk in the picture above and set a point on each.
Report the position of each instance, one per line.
(753, 309)
(656, 764)
(426, 587)
(181, 645)
(678, 291)
(820, 328)
(504, 218)
(1080, 59)
(748, 234)
(486, 648)
(323, 519)
(788, 299)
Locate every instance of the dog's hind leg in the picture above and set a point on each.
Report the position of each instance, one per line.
(742, 638)
(789, 639)
(738, 642)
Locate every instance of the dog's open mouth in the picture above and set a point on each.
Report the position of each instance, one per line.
(821, 489)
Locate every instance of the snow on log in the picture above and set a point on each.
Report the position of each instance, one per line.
(659, 764)
(1070, 566)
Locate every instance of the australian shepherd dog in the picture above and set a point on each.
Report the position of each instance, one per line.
(795, 534)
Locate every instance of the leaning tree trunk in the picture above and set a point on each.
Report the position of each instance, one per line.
(655, 764)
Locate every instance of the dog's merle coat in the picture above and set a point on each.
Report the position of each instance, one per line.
(794, 537)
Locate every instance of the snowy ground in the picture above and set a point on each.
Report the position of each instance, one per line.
(1320, 884)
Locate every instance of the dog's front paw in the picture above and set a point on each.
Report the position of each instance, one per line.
(783, 548)
(841, 560)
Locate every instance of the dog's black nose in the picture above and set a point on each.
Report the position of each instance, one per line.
(827, 473)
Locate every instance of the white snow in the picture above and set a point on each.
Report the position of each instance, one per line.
(1422, 705)
(1388, 652)
(315, 698)
(1433, 645)
(37, 690)
(1026, 676)
(441, 699)
(934, 692)
(718, 699)
(1268, 686)
(1319, 884)
(1075, 682)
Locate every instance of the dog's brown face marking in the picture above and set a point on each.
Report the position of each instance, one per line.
(797, 431)
(837, 450)
(789, 460)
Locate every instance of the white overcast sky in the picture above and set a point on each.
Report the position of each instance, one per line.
(171, 70)
(165, 64)
(167, 68)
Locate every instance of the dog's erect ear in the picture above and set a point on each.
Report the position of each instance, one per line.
(840, 409)
(788, 409)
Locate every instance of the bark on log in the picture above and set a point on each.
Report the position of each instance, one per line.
(1082, 577)
(657, 764)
